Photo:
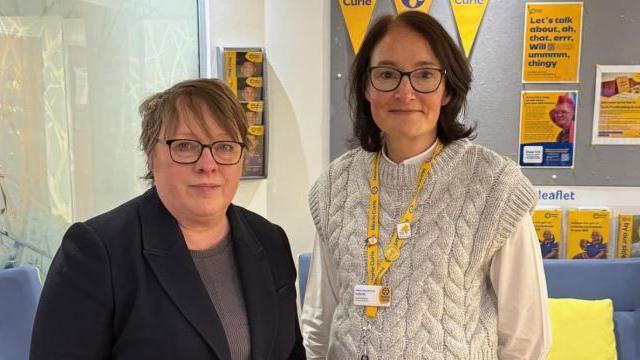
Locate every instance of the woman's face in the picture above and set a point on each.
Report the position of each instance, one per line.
(247, 69)
(596, 237)
(252, 118)
(562, 115)
(404, 113)
(249, 93)
(548, 236)
(195, 193)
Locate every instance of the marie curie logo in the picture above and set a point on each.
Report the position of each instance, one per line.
(413, 4)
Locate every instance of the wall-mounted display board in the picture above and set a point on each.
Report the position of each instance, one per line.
(608, 31)
(243, 69)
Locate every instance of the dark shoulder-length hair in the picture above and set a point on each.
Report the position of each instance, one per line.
(458, 79)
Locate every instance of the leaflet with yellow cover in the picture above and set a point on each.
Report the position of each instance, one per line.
(628, 236)
(588, 233)
(548, 224)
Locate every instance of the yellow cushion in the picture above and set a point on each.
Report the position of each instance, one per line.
(582, 329)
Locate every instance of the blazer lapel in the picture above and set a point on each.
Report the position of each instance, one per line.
(258, 287)
(167, 254)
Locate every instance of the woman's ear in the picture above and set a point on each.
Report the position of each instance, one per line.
(445, 99)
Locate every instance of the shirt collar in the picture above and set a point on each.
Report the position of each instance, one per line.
(415, 160)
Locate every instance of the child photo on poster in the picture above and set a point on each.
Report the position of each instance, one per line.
(547, 128)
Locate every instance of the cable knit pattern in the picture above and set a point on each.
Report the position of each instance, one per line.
(442, 304)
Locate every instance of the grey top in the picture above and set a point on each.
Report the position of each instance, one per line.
(217, 268)
(443, 306)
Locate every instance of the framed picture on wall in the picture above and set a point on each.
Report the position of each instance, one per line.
(244, 72)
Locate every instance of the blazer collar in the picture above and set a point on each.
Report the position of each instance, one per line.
(258, 286)
(166, 251)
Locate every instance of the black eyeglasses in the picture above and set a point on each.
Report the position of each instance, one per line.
(422, 80)
(186, 151)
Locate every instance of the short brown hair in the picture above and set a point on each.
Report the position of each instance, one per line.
(458, 79)
(163, 110)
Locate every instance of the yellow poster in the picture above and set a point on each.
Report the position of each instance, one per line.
(357, 14)
(548, 224)
(628, 236)
(617, 105)
(552, 34)
(230, 70)
(547, 128)
(412, 5)
(468, 14)
(588, 233)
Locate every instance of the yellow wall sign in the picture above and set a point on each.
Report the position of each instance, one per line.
(412, 5)
(552, 34)
(547, 128)
(357, 14)
(230, 71)
(468, 14)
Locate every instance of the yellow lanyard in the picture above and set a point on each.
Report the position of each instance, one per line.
(376, 270)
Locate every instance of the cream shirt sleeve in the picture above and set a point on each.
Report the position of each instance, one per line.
(517, 276)
(320, 301)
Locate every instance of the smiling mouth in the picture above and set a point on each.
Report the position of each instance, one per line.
(405, 111)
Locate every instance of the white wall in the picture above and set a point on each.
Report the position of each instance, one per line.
(295, 36)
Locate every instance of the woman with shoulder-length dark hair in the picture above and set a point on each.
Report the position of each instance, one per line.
(425, 246)
(178, 272)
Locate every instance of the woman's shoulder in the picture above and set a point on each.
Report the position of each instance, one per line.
(115, 228)
(255, 221)
(345, 161)
(253, 228)
(482, 157)
(122, 216)
(480, 162)
(339, 168)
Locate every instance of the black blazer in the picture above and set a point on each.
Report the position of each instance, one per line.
(123, 286)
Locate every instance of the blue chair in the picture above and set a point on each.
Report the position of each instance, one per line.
(304, 262)
(19, 293)
(615, 279)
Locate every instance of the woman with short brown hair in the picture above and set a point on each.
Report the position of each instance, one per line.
(178, 272)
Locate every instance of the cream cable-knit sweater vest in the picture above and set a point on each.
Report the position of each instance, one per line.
(442, 306)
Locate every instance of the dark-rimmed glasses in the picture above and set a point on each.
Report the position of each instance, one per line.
(187, 151)
(422, 80)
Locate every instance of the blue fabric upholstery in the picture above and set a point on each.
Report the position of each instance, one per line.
(615, 279)
(304, 261)
(19, 293)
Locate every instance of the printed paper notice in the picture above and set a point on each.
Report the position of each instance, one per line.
(552, 42)
(616, 114)
(547, 128)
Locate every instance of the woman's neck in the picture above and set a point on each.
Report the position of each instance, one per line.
(402, 149)
(205, 236)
